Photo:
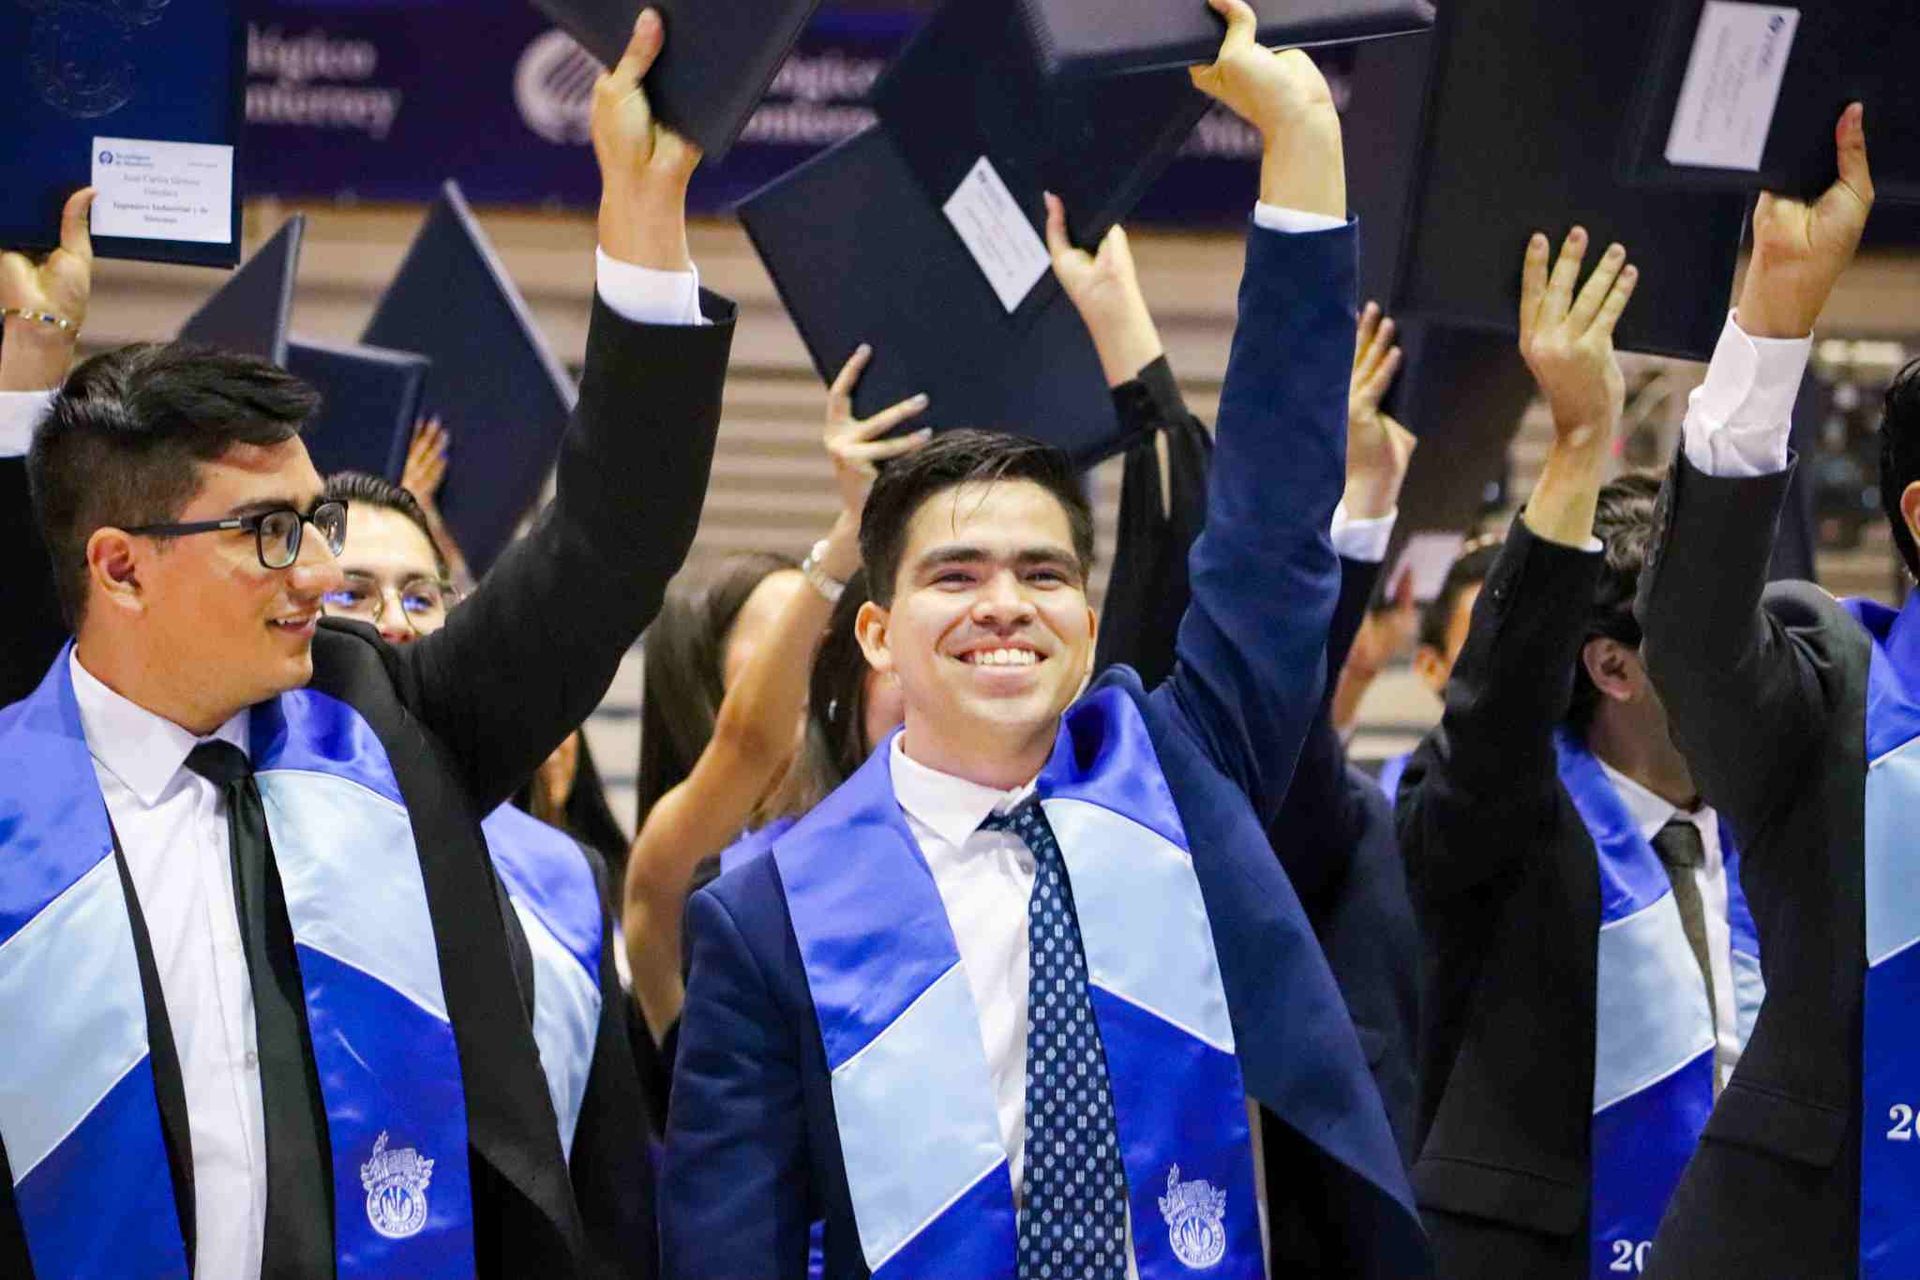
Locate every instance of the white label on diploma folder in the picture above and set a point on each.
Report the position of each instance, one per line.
(1732, 84)
(163, 190)
(1010, 253)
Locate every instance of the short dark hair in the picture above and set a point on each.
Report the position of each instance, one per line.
(357, 488)
(952, 459)
(1624, 524)
(1469, 570)
(1900, 456)
(122, 442)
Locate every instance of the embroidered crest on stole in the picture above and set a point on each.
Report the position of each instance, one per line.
(396, 1183)
(1196, 1215)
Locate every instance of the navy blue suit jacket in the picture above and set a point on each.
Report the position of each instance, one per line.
(753, 1153)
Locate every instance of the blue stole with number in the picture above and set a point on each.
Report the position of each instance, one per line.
(912, 1092)
(557, 901)
(77, 1107)
(1889, 1043)
(1654, 1037)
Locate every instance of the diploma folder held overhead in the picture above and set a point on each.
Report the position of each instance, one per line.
(1104, 37)
(1523, 107)
(369, 401)
(496, 387)
(716, 64)
(1742, 97)
(860, 253)
(251, 310)
(83, 84)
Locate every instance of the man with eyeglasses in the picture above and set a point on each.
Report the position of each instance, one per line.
(264, 1000)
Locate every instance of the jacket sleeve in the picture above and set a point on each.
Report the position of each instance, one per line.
(524, 661)
(1249, 660)
(1483, 783)
(733, 1198)
(1747, 688)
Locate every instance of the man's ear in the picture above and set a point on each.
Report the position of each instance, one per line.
(1430, 665)
(870, 629)
(1910, 509)
(113, 564)
(1612, 666)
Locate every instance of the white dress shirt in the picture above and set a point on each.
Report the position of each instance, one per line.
(172, 825)
(1649, 813)
(1739, 419)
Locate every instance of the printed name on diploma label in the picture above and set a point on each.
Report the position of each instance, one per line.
(163, 190)
(1732, 85)
(1008, 251)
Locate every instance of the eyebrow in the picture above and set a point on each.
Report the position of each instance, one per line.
(260, 506)
(1024, 558)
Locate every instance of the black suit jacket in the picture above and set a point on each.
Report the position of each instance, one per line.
(1505, 883)
(1765, 688)
(1334, 833)
(465, 716)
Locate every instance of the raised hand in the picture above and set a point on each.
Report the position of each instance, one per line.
(426, 466)
(36, 351)
(1800, 249)
(1104, 288)
(644, 166)
(855, 447)
(1378, 448)
(1283, 95)
(1567, 340)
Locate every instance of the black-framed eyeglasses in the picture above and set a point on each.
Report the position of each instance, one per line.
(423, 601)
(276, 533)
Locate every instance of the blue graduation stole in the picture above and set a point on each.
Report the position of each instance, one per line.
(753, 844)
(554, 894)
(1890, 1043)
(77, 1106)
(1653, 1035)
(912, 1091)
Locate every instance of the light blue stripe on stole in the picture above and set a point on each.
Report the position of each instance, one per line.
(1749, 993)
(325, 830)
(566, 1020)
(71, 974)
(1652, 1016)
(1893, 872)
(1143, 924)
(917, 1118)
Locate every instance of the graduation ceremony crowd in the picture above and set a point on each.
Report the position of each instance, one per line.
(965, 933)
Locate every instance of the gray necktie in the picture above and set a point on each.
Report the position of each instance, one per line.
(1681, 849)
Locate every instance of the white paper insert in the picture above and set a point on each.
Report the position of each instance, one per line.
(1009, 252)
(1427, 556)
(1732, 83)
(163, 190)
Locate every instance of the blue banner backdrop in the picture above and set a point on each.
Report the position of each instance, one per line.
(382, 99)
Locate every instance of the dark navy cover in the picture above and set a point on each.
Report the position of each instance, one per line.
(1102, 37)
(369, 401)
(502, 396)
(75, 70)
(251, 310)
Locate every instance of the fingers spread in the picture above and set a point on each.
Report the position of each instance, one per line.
(1587, 305)
(849, 375)
(1566, 271)
(1533, 286)
(1617, 299)
(881, 450)
(888, 418)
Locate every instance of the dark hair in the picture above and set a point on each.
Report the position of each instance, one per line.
(834, 744)
(952, 459)
(685, 675)
(1900, 456)
(357, 488)
(122, 442)
(1625, 526)
(1470, 569)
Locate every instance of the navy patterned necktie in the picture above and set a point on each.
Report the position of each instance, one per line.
(1073, 1223)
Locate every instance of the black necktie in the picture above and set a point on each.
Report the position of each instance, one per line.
(1681, 849)
(299, 1233)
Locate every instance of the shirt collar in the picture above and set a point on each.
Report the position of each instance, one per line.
(145, 751)
(953, 808)
(1647, 810)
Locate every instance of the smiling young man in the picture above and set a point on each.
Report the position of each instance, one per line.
(998, 1006)
(258, 978)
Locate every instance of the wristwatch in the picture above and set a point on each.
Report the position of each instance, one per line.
(829, 587)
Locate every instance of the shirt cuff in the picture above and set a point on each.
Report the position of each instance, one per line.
(1276, 217)
(1364, 540)
(1738, 421)
(644, 295)
(20, 413)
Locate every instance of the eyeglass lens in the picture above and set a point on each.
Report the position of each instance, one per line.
(280, 533)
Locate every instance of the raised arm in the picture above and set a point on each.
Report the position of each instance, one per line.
(1249, 658)
(753, 734)
(1488, 768)
(525, 660)
(1732, 675)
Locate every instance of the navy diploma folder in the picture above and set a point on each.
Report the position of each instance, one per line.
(369, 401)
(86, 85)
(251, 310)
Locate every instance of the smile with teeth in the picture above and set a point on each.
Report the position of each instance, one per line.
(1001, 658)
